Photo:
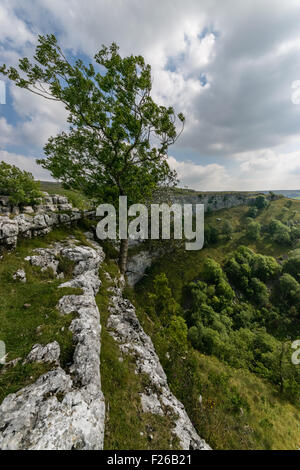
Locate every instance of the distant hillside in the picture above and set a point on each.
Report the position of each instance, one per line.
(290, 193)
(237, 302)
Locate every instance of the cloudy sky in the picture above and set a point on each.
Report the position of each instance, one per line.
(230, 66)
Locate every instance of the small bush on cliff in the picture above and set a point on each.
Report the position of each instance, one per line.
(18, 185)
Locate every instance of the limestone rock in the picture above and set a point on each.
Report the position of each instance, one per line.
(151, 404)
(20, 275)
(28, 210)
(45, 259)
(127, 331)
(8, 228)
(62, 411)
(137, 266)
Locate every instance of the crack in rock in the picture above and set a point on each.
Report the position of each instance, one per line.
(126, 329)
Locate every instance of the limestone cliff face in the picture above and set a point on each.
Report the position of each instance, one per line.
(138, 263)
(37, 221)
(215, 201)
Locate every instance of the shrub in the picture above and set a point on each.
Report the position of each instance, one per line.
(19, 185)
(252, 212)
(253, 230)
(162, 302)
(227, 229)
(292, 265)
(280, 232)
(261, 202)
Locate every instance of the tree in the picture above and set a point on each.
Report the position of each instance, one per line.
(280, 232)
(292, 264)
(252, 212)
(162, 302)
(18, 185)
(261, 202)
(253, 230)
(118, 137)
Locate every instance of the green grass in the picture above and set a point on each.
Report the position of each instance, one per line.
(239, 410)
(23, 326)
(246, 413)
(76, 198)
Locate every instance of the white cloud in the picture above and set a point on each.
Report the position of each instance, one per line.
(254, 171)
(6, 132)
(210, 177)
(241, 126)
(13, 29)
(268, 169)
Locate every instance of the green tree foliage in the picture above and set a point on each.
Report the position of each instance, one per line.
(290, 290)
(19, 185)
(161, 299)
(252, 212)
(280, 232)
(118, 138)
(211, 235)
(222, 324)
(227, 229)
(292, 264)
(244, 264)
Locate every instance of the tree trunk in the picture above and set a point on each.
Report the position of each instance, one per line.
(123, 255)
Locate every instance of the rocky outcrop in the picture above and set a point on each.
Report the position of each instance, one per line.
(215, 201)
(46, 203)
(137, 265)
(41, 354)
(40, 222)
(63, 410)
(125, 328)
(20, 275)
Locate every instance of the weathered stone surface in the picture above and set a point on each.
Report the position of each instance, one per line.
(8, 227)
(28, 210)
(25, 223)
(36, 221)
(49, 353)
(51, 414)
(127, 331)
(151, 404)
(65, 207)
(20, 275)
(61, 411)
(45, 258)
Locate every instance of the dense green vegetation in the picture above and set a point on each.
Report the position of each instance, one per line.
(19, 185)
(126, 426)
(223, 319)
(76, 198)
